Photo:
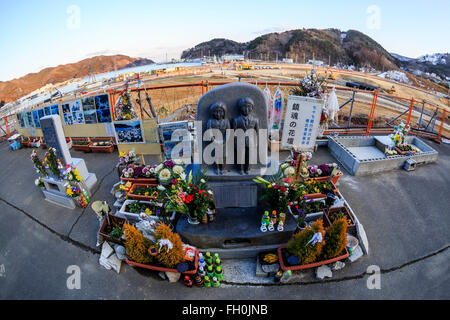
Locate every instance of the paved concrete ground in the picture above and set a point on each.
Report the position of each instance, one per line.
(406, 217)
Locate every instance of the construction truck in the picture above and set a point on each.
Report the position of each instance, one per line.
(330, 75)
(391, 90)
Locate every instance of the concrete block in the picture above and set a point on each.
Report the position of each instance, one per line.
(63, 201)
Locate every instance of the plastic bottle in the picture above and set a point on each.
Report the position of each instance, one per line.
(198, 281)
(208, 259)
(210, 271)
(218, 273)
(188, 282)
(201, 272)
(215, 283)
(278, 276)
(274, 217)
(202, 263)
(217, 263)
(265, 218)
(216, 256)
(207, 282)
(286, 276)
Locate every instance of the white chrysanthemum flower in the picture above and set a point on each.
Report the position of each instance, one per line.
(202, 181)
(210, 192)
(164, 175)
(183, 176)
(178, 161)
(36, 182)
(161, 188)
(178, 170)
(159, 167)
(289, 171)
(284, 166)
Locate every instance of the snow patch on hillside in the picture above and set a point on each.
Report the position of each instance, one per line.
(437, 58)
(395, 76)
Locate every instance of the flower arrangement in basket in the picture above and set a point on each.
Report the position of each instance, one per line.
(125, 108)
(191, 197)
(169, 171)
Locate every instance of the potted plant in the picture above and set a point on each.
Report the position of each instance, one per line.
(169, 171)
(112, 228)
(25, 142)
(311, 209)
(146, 192)
(53, 163)
(134, 209)
(165, 253)
(312, 248)
(102, 146)
(139, 174)
(334, 214)
(81, 145)
(38, 164)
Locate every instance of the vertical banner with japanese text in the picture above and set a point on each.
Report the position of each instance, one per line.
(301, 123)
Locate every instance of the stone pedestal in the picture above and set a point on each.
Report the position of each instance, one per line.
(55, 192)
(89, 179)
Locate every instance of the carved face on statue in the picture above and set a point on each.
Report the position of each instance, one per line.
(218, 110)
(246, 106)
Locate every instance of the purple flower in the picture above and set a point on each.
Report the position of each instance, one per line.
(325, 169)
(137, 171)
(294, 163)
(169, 164)
(157, 212)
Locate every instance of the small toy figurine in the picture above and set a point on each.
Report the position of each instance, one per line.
(280, 226)
(271, 227)
(263, 227)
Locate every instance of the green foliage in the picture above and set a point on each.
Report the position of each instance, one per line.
(335, 239)
(298, 244)
(116, 233)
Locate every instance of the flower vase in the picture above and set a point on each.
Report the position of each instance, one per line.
(193, 220)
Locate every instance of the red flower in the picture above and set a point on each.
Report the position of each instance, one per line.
(189, 198)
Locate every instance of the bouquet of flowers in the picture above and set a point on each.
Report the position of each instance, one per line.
(73, 191)
(289, 165)
(38, 163)
(71, 174)
(169, 171)
(278, 192)
(53, 163)
(191, 197)
(125, 108)
(127, 157)
(400, 131)
(39, 183)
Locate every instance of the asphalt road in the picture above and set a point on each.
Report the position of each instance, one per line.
(406, 217)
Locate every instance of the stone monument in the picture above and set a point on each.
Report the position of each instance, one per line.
(238, 148)
(55, 190)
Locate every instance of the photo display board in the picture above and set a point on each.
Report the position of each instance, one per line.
(129, 132)
(167, 129)
(301, 123)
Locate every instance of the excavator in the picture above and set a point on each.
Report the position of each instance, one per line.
(391, 90)
(330, 75)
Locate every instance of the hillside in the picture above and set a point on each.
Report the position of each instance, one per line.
(438, 63)
(10, 90)
(347, 48)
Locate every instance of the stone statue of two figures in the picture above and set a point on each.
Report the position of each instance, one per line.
(244, 121)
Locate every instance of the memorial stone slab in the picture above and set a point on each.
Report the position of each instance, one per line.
(229, 97)
(54, 137)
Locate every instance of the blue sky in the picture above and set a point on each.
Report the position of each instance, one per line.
(38, 34)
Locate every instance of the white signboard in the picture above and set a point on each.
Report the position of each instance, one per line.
(301, 123)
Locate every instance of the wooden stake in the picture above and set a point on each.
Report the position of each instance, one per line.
(299, 166)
